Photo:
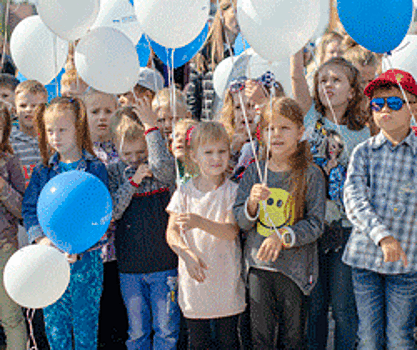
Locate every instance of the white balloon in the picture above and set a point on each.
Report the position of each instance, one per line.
(69, 19)
(403, 57)
(119, 14)
(172, 23)
(37, 52)
(107, 60)
(277, 29)
(324, 20)
(36, 276)
(221, 75)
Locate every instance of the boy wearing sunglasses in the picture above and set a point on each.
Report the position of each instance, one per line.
(381, 202)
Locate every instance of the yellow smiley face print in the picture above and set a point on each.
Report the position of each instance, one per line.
(281, 211)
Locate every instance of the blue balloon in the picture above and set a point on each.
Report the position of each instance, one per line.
(51, 87)
(182, 54)
(143, 50)
(74, 210)
(378, 25)
(240, 45)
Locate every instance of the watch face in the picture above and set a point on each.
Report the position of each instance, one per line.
(287, 238)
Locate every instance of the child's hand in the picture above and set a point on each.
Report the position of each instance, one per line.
(188, 221)
(195, 266)
(145, 113)
(392, 250)
(258, 193)
(72, 258)
(142, 172)
(255, 92)
(45, 241)
(270, 248)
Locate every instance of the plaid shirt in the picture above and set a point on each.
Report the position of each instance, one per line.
(381, 200)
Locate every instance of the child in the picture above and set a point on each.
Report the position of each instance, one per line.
(65, 144)
(380, 199)
(72, 84)
(181, 148)
(337, 106)
(163, 107)
(24, 139)
(282, 267)
(203, 233)
(8, 84)
(140, 183)
(150, 81)
(12, 187)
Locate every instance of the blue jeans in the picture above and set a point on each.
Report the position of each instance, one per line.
(334, 287)
(151, 301)
(387, 306)
(76, 312)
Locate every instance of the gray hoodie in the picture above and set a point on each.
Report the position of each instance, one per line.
(300, 262)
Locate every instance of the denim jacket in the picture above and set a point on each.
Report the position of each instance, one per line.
(40, 176)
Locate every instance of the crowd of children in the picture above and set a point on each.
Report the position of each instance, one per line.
(237, 223)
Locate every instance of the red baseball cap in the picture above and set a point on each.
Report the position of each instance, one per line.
(393, 77)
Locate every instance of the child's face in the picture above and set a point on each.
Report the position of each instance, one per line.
(61, 134)
(164, 121)
(133, 153)
(126, 100)
(7, 97)
(212, 158)
(100, 108)
(178, 144)
(334, 81)
(285, 136)
(332, 50)
(250, 110)
(390, 121)
(335, 147)
(25, 107)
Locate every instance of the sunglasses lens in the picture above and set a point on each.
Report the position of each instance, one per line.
(377, 104)
(395, 103)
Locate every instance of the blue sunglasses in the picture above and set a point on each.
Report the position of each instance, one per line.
(394, 103)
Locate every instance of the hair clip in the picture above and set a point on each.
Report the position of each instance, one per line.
(237, 85)
(189, 134)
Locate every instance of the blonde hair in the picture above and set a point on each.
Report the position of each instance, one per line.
(31, 87)
(209, 132)
(125, 124)
(189, 126)
(215, 40)
(163, 100)
(301, 159)
(325, 41)
(92, 92)
(5, 145)
(74, 106)
(71, 77)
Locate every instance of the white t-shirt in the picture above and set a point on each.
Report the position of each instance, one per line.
(222, 293)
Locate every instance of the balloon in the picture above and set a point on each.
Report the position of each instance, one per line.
(51, 87)
(277, 29)
(173, 23)
(240, 45)
(74, 210)
(324, 20)
(119, 14)
(402, 57)
(37, 52)
(36, 276)
(221, 75)
(143, 50)
(380, 25)
(106, 59)
(183, 54)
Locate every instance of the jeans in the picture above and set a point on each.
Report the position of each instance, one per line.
(151, 300)
(74, 317)
(387, 306)
(334, 287)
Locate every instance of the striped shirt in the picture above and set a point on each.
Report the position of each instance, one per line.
(381, 200)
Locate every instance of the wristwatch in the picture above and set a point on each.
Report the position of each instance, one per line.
(286, 236)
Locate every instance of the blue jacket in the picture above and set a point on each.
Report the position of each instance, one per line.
(40, 176)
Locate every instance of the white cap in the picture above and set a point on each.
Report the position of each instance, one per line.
(150, 79)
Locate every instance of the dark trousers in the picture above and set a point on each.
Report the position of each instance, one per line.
(39, 333)
(276, 301)
(113, 323)
(219, 333)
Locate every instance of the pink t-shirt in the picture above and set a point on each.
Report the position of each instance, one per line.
(222, 293)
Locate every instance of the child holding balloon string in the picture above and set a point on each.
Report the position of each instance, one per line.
(336, 105)
(141, 182)
(203, 233)
(12, 187)
(281, 245)
(65, 144)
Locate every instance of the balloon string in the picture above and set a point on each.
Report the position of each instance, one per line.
(30, 314)
(402, 89)
(6, 23)
(55, 49)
